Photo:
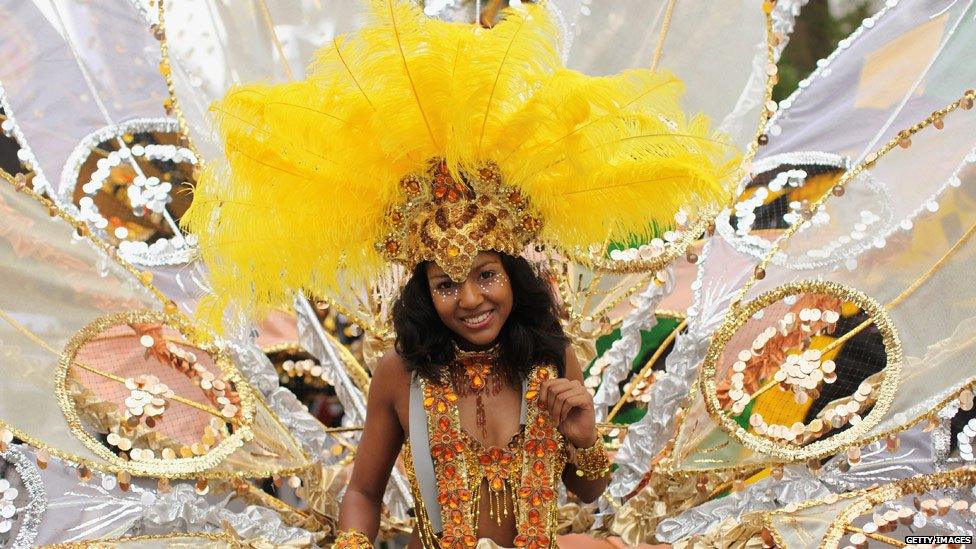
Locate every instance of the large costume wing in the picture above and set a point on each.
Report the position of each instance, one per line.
(115, 166)
(859, 208)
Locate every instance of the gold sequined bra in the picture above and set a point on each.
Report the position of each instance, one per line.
(446, 468)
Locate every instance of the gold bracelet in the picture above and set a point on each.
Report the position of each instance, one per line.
(593, 462)
(352, 539)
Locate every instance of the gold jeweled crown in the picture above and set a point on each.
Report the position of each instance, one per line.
(449, 218)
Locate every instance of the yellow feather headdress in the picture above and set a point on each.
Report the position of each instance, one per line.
(417, 139)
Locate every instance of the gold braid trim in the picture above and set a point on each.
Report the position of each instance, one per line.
(739, 316)
(427, 537)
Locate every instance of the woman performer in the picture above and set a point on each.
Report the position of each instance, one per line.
(491, 341)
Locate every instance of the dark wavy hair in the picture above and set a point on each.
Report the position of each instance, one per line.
(531, 335)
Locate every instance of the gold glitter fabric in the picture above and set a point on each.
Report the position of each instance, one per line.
(352, 539)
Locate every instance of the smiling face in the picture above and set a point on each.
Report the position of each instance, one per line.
(477, 307)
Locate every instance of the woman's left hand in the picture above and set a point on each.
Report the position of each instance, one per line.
(571, 407)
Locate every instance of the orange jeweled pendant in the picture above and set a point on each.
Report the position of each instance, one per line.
(474, 374)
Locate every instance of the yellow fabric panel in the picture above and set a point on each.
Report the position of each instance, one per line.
(777, 406)
(899, 61)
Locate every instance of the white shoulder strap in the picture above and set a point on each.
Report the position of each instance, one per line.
(423, 463)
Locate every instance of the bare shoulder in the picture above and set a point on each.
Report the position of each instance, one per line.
(391, 379)
(391, 364)
(573, 368)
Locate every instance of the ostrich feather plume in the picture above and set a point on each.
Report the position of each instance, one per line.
(312, 168)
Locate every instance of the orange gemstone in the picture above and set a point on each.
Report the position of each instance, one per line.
(539, 467)
(84, 473)
(410, 185)
(392, 246)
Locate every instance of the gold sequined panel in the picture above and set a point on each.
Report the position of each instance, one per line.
(931, 504)
(892, 512)
(802, 370)
(148, 395)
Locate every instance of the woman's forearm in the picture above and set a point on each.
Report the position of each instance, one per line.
(586, 490)
(360, 511)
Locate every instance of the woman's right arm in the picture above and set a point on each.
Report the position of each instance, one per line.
(378, 448)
